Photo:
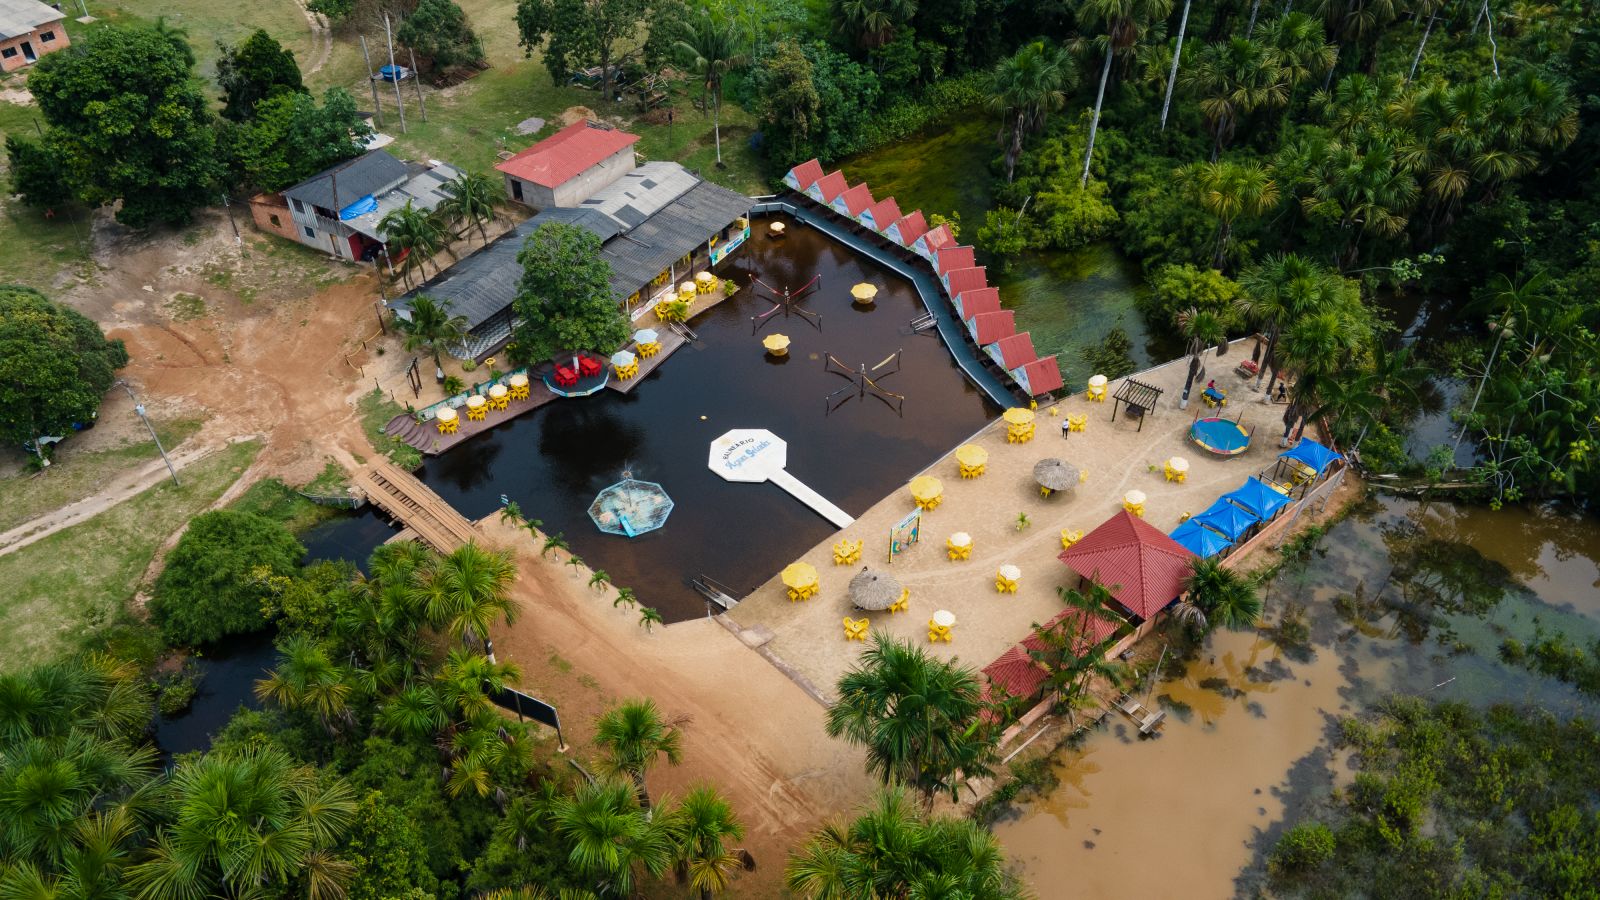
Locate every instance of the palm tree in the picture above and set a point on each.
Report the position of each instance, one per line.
(712, 48)
(471, 201)
(511, 512)
(306, 678)
(1123, 21)
(1228, 599)
(649, 618)
(431, 327)
(1203, 328)
(418, 233)
(610, 836)
(1277, 291)
(1315, 345)
(1172, 76)
(1071, 656)
(1234, 79)
(625, 597)
(468, 591)
(236, 824)
(918, 717)
(874, 22)
(632, 736)
(890, 850)
(1301, 48)
(598, 578)
(1228, 190)
(416, 711)
(555, 542)
(1025, 88)
(702, 827)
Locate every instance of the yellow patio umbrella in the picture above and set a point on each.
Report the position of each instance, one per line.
(1016, 415)
(926, 487)
(971, 455)
(799, 575)
(864, 292)
(776, 344)
(776, 228)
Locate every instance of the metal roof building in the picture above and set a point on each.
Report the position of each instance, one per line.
(1141, 567)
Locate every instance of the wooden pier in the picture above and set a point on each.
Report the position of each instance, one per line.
(425, 436)
(398, 493)
(670, 341)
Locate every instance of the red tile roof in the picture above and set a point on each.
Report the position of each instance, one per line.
(1044, 376)
(885, 212)
(564, 155)
(992, 326)
(856, 199)
(1141, 567)
(951, 258)
(1089, 630)
(1016, 350)
(979, 300)
(806, 174)
(830, 185)
(962, 280)
(1019, 674)
(911, 227)
(938, 237)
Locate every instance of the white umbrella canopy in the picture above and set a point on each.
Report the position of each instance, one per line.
(874, 590)
(623, 358)
(645, 336)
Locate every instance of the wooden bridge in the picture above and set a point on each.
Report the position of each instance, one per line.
(430, 519)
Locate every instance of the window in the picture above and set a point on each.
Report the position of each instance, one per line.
(275, 222)
(46, 36)
(8, 52)
(310, 232)
(298, 207)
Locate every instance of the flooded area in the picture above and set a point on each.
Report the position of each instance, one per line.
(1400, 597)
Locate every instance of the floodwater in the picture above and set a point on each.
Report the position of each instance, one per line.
(1068, 300)
(1400, 597)
(554, 461)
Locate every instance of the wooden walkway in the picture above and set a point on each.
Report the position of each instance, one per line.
(670, 341)
(425, 436)
(398, 493)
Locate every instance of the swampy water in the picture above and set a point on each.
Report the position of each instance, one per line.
(1068, 300)
(1399, 597)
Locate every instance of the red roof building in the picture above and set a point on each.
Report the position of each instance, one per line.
(1088, 630)
(854, 201)
(959, 281)
(930, 243)
(827, 188)
(952, 258)
(990, 327)
(908, 229)
(569, 166)
(881, 215)
(1012, 352)
(804, 175)
(1141, 567)
(976, 302)
(1040, 377)
(1015, 672)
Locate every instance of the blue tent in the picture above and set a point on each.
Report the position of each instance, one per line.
(1199, 540)
(1312, 454)
(1225, 518)
(1259, 499)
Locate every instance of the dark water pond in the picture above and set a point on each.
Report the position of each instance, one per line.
(554, 461)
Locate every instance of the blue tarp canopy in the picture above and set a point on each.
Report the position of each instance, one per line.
(1199, 540)
(1312, 454)
(359, 208)
(1257, 497)
(1226, 518)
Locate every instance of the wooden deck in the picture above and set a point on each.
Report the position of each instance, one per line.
(398, 493)
(670, 341)
(425, 436)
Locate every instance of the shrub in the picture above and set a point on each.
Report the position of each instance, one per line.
(1303, 848)
(1113, 356)
(216, 579)
(1175, 288)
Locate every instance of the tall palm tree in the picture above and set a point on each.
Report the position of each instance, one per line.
(1203, 328)
(236, 824)
(1301, 47)
(306, 678)
(1279, 289)
(1315, 345)
(1172, 76)
(1123, 21)
(1235, 78)
(471, 201)
(468, 591)
(431, 327)
(918, 717)
(632, 737)
(873, 22)
(610, 837)
(703, 826)
(418, 233)
(713, 47)
(1361, 23)
(1228, 190)
(1228, 599)
(1025, 88)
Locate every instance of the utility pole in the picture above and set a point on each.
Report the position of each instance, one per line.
(416, 81)
(139, 409)
(377, 108)
(388, 36)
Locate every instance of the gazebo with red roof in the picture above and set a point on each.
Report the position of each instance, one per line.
(1012, 352)
(570, 166)
(1142, 568)
(854, 201)
(908, 229)
(881, 215)
(1040, 377)
(827, 188)
(804, 175)
(976, 302)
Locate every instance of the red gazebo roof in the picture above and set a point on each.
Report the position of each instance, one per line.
(806, 174)
(1141, 567)
(857, 198)
(884, 213)
(911, 227)
(1015, 671)
(1092, 629)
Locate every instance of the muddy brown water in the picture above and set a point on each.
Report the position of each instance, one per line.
(1400, 597)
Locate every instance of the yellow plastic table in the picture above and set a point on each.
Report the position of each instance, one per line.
(519, 386)
(846, 552)
(971, 460)
(1133, 502)
(477, 408)
(939, 626)
(499, 396)
(447, 420)
(1070, 537)
(1177, 469)
(1006, 578)
(1097, 389)
(959, 545)
(1077, 421)
(927, 491)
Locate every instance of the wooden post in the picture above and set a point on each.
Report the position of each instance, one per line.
(388, 36)
(417, 82)
(377, 108)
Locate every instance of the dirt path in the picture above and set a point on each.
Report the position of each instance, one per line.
(319, 29)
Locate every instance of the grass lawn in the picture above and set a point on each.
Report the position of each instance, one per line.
(376, 411)
(77, 475)
(208, 22)
(62, 589)
(277, 501)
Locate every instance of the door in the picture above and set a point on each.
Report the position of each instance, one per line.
(516, 189)
(27, 52)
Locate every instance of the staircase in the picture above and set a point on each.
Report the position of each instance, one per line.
(405, 427)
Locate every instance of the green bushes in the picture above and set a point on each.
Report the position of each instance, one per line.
(1175, 288)
(215, 580)
(1303, 848)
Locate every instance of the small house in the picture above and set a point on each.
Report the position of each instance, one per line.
(28, 30)
(570, 166)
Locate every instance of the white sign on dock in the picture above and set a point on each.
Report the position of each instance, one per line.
(754, 455)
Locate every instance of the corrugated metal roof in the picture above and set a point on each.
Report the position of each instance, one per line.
(426, 190)
(938, 237)
(884, 213)
(829, 186)
(1043, 376)
(1012, 352)
(992, 326)
(1141, 567)
(805, 175)
(20, 17)
(369, 174)
(911, 227)
(566, 154)
(1015, 672)
(1090, 630)
(952, 258)
(959, 281)
(976, 302)
(856, 199)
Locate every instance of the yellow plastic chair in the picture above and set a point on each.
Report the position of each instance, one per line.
(519, 392)
(1070, 537)
(1077, 422)
(1004, 585)
(448, 427)
(649, 349)
(937, 632)
(855, 629)
(903, 604)
(478, 413)
(958, 552)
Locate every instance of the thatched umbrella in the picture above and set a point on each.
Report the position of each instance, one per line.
(1055, 474)
(874, 590)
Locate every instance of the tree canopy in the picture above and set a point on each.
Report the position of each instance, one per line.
(55, 366)
(217, 577)
(253, 71)
(439, 32)
(129, 123)
(579, 34)
(564, 300)
(291, 138)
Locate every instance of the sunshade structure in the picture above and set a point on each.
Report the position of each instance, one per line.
(874, 590)
(864, 292)
(776, 344)
(1139, 397)
(926, 487)
(631, 507)
(798, 575)
(645, 336)
(623, 358)
(971, 455)
(1257, 498)
(1220, 436)
(1312, 454)
(1142, 568)
(1226, 519)
(1055, 474)
(1200, 540)
(1017, 415)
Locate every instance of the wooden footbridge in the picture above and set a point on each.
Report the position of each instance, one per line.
(398, 493)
